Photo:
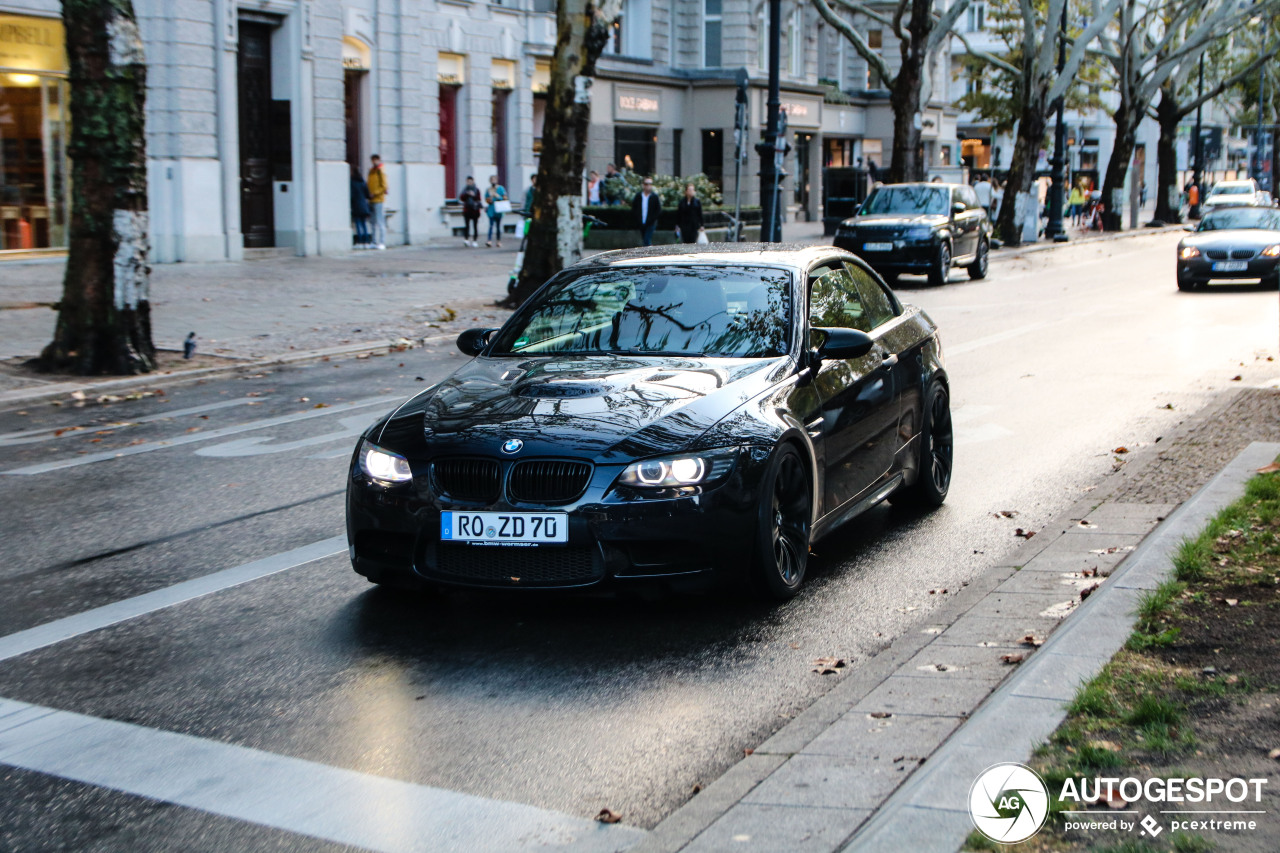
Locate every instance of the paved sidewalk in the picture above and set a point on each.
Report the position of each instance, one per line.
(884, 761)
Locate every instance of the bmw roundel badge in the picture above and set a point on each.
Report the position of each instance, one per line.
(512, 445)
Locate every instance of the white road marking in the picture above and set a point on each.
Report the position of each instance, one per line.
(68, 627)
(32, 436)
(257, 446)
(192, 437)
(290, 794)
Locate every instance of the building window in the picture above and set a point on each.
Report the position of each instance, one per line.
(633, 31)
(711, 20)
(677, 147)
(794, 36)
(875, 40)
(977, 16)
(713, 156)
(762, 40)
(635, 148)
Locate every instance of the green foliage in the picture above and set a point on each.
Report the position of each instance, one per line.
(1154, 605)
(670, 188)
(1185, 843)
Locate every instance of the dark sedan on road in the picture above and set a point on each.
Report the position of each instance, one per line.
(654, 415)
(920, 228)
(1232, 243)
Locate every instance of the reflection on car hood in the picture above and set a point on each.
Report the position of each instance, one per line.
(599, 406)
(1245, 238)
(889, 220)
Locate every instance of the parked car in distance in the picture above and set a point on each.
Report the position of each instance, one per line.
(659, 416)
(1243, 193)
(920, 228)
(1232, 243)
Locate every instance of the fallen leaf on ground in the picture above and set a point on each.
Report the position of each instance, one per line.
(1025, 534)
(320, 406)
(1032, 640)
(1237, 378)
(1269, 469)
(1011, 659)
(696, 789)
(827, 666)
(880, 715)
(1087, 591)
(1231, 602)
(748, 751)
(1275, 754)
(1108, 745)
(1121, 449)
(608, 816)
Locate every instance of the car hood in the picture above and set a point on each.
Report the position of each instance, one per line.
(1235, 238)
(888, 220)
(1231, 201)
(608, 408)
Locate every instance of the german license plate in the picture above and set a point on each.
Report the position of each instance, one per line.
(877, 247)
(504, 528)
(1230, 266)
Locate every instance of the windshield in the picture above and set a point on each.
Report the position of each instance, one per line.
(1232, 189)
(732, 311)
(1241, 217)
(908, 198)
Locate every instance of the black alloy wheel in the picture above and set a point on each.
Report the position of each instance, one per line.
(941, 269)
(782, 547)
(978, 269)
(937, 453)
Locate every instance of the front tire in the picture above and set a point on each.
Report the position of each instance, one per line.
(978, 269)
(937, 453)
(941, 269)
(782, 539)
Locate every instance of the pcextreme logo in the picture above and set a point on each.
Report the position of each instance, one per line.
(1008, 802)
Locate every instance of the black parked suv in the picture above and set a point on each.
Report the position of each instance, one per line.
(920, 228)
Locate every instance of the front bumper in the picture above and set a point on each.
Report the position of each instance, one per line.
(616, 538)
(1201, 269)
(909, 256)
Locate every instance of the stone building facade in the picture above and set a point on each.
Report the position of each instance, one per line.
(258, 109)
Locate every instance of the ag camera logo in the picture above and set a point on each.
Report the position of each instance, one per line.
(1008, 802)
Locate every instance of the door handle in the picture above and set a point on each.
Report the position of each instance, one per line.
(890, 359)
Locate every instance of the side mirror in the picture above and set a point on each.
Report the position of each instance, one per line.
(856, 208)
(473, 341)
(958, 207)
(843, 343)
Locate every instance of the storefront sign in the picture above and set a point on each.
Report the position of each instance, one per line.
(32, 44)
(503, 74)
(630, 104)
(541, 77)
(355, 55)
(449, 69)
(801, 110)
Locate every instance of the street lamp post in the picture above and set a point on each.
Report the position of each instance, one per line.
(770, 224)
(1055, 227)
(1194, 212)
(1257, 133)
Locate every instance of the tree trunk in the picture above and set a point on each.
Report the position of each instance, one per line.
(1168, 193)
(905, 162)
(1118, 168)
(1022, 172)
(104, 318)
(555, 233)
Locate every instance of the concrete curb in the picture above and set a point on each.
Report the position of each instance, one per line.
(92, 388)
(928, 812)
(1106, 237)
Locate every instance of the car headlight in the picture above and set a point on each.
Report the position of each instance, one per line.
(1271, 251)
(1188, 252)
(383, 466)
(918, 232)
(686, 469)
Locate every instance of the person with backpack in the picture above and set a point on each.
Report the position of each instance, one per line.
(471, 204)
(360, 209)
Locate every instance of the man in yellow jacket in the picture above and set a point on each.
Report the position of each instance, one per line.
(377, 196)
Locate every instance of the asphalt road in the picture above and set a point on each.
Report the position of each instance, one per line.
(567, 704)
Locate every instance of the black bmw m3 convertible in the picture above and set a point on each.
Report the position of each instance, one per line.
(673, 415)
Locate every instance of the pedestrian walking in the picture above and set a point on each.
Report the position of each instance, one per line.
(377, 199)
(360, 209)
(593, 188)
(997, 197)
(646, 206)
(471, 205)
(982, 189)
(612, 190)
(1075, 204)
(531, 195)
(689, 217)
(498, 203)
(873, 171)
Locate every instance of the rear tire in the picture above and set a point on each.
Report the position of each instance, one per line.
(940, 271)
(937, 453)
(784, 517)
(978, 269)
